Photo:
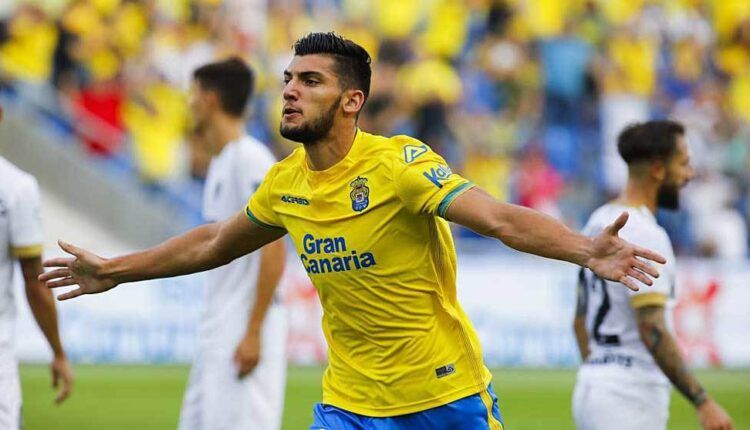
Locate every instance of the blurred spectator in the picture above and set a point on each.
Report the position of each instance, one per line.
(538, 184)
(565, 60)
(718, 227)
(98, 109)
(156, 116)
(627, 75)
(26, 53)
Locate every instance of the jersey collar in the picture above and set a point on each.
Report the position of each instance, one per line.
(342, 165)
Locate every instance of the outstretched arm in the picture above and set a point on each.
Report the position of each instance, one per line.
(42, 306)
(663, 348)
(203, 248)
(530, 231)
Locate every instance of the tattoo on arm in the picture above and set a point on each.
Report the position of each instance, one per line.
(664, 349)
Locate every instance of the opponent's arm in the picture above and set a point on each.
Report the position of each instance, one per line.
(42, 306)
(661, 344)
(272, 262)
(203, 248)
(530, 231)
(579, 321)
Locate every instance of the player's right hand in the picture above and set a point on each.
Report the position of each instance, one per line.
(714, 417)
(617, 260)
(247, 354)
(83, 269)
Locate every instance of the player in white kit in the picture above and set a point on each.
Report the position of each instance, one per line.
(21, 240)
(239, 373)
(629, 353)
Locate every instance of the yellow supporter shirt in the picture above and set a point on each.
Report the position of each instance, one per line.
(369, 234)
(635, 60)
(157, 129)
(27, 55)
(428, 80)
(446, 31)
(727, 15)
(739, 96)
(397, 19)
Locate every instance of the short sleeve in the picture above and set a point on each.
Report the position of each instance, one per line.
(424, 182)
(259, 208)
(25, 220)
(255, 162)
(662, 288)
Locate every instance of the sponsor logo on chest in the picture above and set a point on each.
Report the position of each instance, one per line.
(332, 254)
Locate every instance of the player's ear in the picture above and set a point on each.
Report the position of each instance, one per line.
(211, 98)
(352, 101)
(659, 170)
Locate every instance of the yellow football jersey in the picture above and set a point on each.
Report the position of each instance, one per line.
(369, 235)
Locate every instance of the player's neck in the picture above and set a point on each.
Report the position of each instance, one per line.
(223, 130)
(638, 194)
(331, 149)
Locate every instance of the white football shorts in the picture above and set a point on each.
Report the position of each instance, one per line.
(215, 399)
(10, 396)
(620, 406)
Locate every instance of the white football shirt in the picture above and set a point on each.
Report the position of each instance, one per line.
(617, 353)
(232, 178)
(20, 237)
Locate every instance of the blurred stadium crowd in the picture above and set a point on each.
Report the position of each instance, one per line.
(525, 97)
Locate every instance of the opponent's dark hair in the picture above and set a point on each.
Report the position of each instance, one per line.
(352, 62)
(649, 141)
(232, 79)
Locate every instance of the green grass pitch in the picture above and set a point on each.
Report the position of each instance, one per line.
(148, 397)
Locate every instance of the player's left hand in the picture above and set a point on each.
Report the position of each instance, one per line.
(617, 260)
(62, 378)
(247, 354)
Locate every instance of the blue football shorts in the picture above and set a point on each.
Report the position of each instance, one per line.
(477, 412)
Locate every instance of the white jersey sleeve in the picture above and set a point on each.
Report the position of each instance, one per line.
(25, 219)
(254, 161)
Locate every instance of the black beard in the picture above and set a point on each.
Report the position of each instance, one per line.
(312, 132)
(668, 197)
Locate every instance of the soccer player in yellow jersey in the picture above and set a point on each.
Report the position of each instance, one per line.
(367, 215)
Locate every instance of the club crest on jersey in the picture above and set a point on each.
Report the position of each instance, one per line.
(360, 194)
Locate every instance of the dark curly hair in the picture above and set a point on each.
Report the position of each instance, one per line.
(649, 141)
(352, 62)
